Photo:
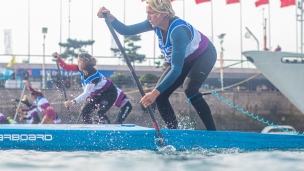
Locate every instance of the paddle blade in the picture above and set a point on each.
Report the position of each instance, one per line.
(167, 148)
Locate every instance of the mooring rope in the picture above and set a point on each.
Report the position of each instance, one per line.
(254, 116)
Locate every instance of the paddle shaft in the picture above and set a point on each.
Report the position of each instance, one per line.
(63, 87)
(19, 102)
(134, 75)
(78, 118)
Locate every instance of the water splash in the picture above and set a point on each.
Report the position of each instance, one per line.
(255, 116)
(166, 148)
(185, 122)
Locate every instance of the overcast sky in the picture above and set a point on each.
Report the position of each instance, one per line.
(226, 19)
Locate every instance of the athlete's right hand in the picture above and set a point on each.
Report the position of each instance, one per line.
(68, 103)
(27, 83)
(103, 10)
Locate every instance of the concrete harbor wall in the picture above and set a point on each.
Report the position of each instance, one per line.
(272, 106)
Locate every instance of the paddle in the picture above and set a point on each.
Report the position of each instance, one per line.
(19, 102)
(78, 118)
(65, 96)
(134, 76)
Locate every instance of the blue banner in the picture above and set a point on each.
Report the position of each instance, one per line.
(6, 74)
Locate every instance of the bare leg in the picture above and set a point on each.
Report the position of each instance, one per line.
(47, 120)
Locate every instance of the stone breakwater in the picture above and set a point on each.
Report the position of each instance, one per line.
(272, 106)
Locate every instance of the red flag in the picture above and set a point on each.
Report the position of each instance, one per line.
(285, 3)
(170, 0)
(261, 2)
(201, 1)
(232, 1)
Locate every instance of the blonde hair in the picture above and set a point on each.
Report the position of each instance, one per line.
(162, 6)
(90, 60)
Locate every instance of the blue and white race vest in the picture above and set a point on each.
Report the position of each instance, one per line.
(100, 86)
(197, 44)
(30, 115)
(42, 103)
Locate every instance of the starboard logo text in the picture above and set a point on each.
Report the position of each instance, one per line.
(26, 137)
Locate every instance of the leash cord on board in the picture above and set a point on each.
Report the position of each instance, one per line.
(254, 116)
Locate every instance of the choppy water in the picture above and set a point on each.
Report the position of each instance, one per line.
(209, 160)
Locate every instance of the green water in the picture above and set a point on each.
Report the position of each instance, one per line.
(199, 160)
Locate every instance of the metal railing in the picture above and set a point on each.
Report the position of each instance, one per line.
(101, 60)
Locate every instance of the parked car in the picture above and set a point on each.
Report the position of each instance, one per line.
(278, 130)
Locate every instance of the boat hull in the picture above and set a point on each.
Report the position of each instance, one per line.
(118, 137)
(286, 76)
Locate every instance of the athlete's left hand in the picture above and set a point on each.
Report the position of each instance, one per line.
(149, 98)
(68, 104)
(55, 56)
